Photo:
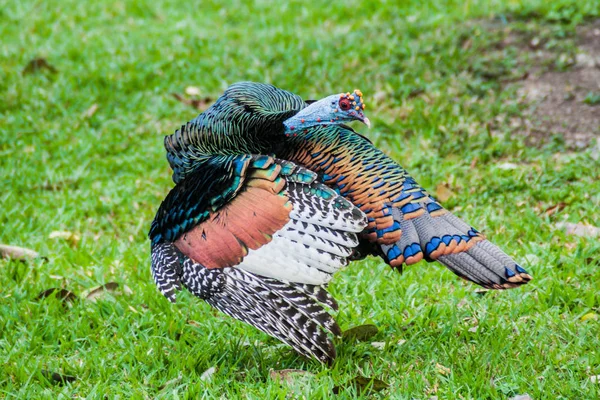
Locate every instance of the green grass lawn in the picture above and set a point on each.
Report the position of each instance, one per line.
(101, 175)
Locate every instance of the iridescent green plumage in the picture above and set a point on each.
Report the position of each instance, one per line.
(246, 119)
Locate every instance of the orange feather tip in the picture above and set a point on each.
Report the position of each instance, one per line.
(414, 259)
(451, 247)
(390, 237)
(414, 214)
(441, 250)
(385, 222)
(515, 279)
(439, 213)
(397, 262)
(462, 246)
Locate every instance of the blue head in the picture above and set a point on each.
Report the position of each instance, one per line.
(334, 109)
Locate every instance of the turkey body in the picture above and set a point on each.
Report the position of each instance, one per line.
(261, 217)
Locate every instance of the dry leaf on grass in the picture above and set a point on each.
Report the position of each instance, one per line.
(110, 287)
(362, 385)
(441, 369)
(62, 294)
(555, 208)
(521, 397)
(589, 316)
(507, 166)
(17, 253)
(56, 378)
(38, 64)
(288, 376)
(89, 113)
(443, 192)
(171, 382)
(70, 237)
(361, 333)
(192, 91)
(207, 375)
(200, 104)
(579, 229)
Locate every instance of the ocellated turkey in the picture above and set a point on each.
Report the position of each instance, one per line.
(274, 194)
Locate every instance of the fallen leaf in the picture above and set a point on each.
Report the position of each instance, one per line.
(17, 253)
(579, 229)
(443, 192)
(595, 379)
(467, 44)
(401, 342)
(515, 78)
(474, 329)
(507, 166)
(55, 377)
(555, 208)
(192, 91)
(474, 162)
(521, 397)
(595, 151)
(378, 345)
(288, 376)
(208, 374)
(62, 294)
(38, 64)
(415, 92)
(199, 104)
(89, 113)
(362, 385)
(589, 316)
(441, 369)
(361, 333)
(170, 382)
(99, 291)
(70, 237)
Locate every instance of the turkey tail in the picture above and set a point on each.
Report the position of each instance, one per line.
(405, 223)
(428, 231)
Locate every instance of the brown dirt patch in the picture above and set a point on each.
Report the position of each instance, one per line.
(556, 98)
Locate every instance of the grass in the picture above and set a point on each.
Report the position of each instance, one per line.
(102, 177)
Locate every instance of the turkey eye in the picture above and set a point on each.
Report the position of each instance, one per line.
(345, 104)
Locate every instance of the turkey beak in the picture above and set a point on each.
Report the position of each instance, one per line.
(366, 121)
